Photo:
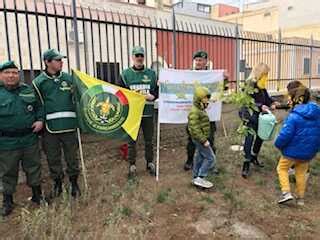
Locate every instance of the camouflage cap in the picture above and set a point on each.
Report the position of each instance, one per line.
(52, 54)
(8, 64)
(138, 50)
(200, 53)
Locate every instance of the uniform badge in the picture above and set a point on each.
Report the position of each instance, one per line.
(30, 108)
(64, 84)
(56, 80)
(146, 79)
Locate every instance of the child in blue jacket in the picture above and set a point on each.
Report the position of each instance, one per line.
(298, 141)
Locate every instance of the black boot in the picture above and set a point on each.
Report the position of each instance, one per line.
(75, 190)
(57, 188)
(255, 161)
(245, 169)
(188, 165)
(7, 204)
(37, 195)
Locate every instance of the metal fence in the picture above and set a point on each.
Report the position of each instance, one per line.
(105, 40)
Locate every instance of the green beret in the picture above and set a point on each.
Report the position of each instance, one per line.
(201, 54)
(8, 64)
(138, 50)
(52, 54)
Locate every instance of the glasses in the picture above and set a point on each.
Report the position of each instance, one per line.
(139, 56)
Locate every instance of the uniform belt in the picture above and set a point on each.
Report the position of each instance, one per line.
(57, 115)
(17, 133)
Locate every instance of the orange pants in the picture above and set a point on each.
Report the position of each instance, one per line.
(301, 168)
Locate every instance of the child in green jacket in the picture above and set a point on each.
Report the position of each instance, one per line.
(199, 128)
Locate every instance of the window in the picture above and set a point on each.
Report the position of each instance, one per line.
(306, 66)
(204, 8)
(267, 14)
(318, 66)
(28, 77)
(142, 2)
(108, 72)
(179, 5)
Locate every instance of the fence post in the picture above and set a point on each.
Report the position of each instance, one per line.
(237, 58)
(76, 33)
(174, 54)
(310, 62)
(279, 60)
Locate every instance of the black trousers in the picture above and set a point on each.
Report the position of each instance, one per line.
(147, 126)
(252, 143)
(191, 147)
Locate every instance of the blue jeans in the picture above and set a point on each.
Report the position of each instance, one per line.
(203, 161)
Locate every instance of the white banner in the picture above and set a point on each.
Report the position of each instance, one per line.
(176, 89)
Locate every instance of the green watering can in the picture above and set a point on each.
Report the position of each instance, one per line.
(267, 125)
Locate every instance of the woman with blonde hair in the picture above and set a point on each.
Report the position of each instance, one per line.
(258, 80)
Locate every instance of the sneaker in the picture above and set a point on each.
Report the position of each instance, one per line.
(286, 196)
(300, 202)
(201, 182)
(151, 168)
(291, 171)
(132, 171)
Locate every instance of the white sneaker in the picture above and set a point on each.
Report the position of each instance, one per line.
(286, 196)
(291, 171)
(201, 182)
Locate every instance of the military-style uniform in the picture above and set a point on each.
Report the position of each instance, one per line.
(144, 81)
(19, 109)
(55, 93)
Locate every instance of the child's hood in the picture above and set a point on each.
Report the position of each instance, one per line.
(309, 110)
(199, 94)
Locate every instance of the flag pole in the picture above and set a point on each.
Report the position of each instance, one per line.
(158, 145)
(84, 170)
(77, 51)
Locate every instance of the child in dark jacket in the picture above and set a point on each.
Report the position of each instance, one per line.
(298, 141)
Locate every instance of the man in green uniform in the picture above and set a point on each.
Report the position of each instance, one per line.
(200, 59)
(142, 80)
(54, 88)
(21, 118)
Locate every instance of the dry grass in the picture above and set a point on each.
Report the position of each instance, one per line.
(115, 208)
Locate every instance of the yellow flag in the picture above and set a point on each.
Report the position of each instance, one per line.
(107, 109)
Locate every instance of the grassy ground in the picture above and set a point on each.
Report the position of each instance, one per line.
(115, 208)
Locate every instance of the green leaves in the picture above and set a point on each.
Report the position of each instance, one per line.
(243, 99)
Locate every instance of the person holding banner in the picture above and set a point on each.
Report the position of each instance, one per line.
(143, 80)
(54, 88)
(21, 118)
(258, 80)
(200, 59)
(199, 130)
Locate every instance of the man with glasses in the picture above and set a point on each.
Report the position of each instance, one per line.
(54, 88)
(142, 80)
(21, 118)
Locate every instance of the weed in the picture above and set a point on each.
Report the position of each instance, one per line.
(260, 181)
(207, 198)
(163, 195)
(126, 211)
